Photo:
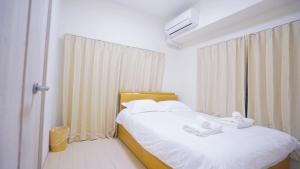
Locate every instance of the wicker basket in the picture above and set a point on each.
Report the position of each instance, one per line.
(58, 139)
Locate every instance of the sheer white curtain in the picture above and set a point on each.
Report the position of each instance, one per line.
(274, 78)
(94, 72)
(221, 77)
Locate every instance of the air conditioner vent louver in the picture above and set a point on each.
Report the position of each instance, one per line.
(186, 26)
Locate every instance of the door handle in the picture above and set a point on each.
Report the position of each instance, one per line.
(37, 87)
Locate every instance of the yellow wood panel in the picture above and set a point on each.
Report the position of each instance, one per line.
(128, 140)
(282, 165)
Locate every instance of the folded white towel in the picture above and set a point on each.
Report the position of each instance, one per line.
(238, 123)
(238, 120)
(199, 131)
(207, 124)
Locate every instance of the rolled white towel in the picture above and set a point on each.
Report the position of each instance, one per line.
(244, 123)
(238, 123)
(207, 124)
(203, 122)
(236, 115)
(199, 131)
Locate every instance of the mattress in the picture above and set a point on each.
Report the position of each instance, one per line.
(161, 134)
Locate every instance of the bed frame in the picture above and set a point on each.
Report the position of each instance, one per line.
(149, 160)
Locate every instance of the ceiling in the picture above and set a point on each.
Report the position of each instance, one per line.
(164, 9)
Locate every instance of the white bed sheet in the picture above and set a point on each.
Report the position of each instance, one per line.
(161, 134)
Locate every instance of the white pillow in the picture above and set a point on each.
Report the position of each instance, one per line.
(139, 106)
(173, 105)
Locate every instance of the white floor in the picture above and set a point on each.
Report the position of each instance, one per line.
(97, 154)
(100, 154)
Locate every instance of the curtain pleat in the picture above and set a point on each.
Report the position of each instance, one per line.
(221, 77)
(94, 72)
(141, 70)
(274, 81)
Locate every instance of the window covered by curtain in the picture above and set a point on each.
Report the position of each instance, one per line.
(272, 59)
(221, 77)
(274, 78)
(94, 72)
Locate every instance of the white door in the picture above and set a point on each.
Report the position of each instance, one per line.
(23, 47)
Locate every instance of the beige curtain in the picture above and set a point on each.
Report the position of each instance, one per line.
(221, 78)
(274, 78)
(94, 72)
(141, 70)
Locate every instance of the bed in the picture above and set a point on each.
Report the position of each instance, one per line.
(155, 159)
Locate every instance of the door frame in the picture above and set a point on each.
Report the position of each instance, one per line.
(44, 77)
(44, 83)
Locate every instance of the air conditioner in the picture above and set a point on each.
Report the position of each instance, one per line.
(186, 21)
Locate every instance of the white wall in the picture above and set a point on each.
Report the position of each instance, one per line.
(111, 22)
(180, 75)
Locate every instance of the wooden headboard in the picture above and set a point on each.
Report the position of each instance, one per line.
(157, 96)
